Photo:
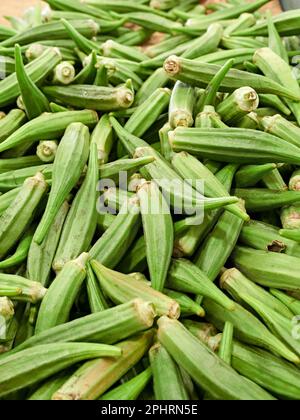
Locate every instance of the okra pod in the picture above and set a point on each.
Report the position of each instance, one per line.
(21, 252)
(289, 301)
(72, 154)
(198, 73)
(262, 199)
(96, 297)
(282, 128)
(187, 305)
(93, 378)
(197, 360)
(158, 231)
(167, 380)
(103, 137)
(49, 387)
(293, 234)
(275, 42)
(181, 105)
(250, 175)
(15, 178)
(80, 224)
(121, 287)
(290, 217)
(64, 73)
(247, 328)
(100, 98)
(226, 344)
(294, 183)
(11, 122)
(29, 291)
(113, 49)
(153, 22)
(240, 288)
(46, 150)
(48, 126)
(245, 20)
(6, 313)
(32, 365)
(7, 165)
(226, 175)
(158, 79)
(84, 44)
(270, 269)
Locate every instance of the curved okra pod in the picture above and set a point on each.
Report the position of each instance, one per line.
(167, 380)
(46, 150)
(134, 38)
(113, 244)
(100, 98)
(271, 269)
(121, 287)
(227, 174)
(37, 71)
(247, 328)
(29, 291)
(96, 297)
(241, 102)
(40, 257)
(148, 112)
(199, 73)
(263, 199)
(93, 378)
(185, 276)
(48, 126)
(84, 44)
(33, 365)
(103, 137)
(17, 217)
(250, 175)
(80, 224)
(240, 288)
(71, 156)
(192, 170)
(197, 360)
(57, 304)
(21, 252)
(35, 102)
(158, 231)
(234, 145)
(11, 122)
(181, 106)
(259, 235)
(130, 390)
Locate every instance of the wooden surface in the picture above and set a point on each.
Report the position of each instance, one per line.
(16, 7)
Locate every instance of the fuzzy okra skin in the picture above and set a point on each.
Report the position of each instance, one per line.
(199, 73)
(32, 365)
(48, 126)
(81, 222)
(17, 217)
(234, 145)
(167, 379)
(37, 70)
(207, 369)
(93, 378)
(109, 326)
(100, 98)
(121, 287)
(55, 308)
(72, 154)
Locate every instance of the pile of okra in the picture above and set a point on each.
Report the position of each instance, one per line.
(150, 202)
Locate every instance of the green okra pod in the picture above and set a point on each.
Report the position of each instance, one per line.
(290, 216)
(293, 234)
(130, 390)
(167, 380)
(240, 42)
(158, 79)
(7, 165)
(294, 183)
(289, 301)
(103, 137)
(275, 42)
(19, 214)
(135, 259)
(84, 44)
(89, 72)
(274, 181)
(11, 122)
(106, 326)
(40, 257)
(15, 178)
(181, 106)
(226, 344)
(234, 145)
(71, 156)
(96, 297)
(7, 198)
(100, 98)
(281, 127)
(48, 126)
(21, 251)
(187, 305)
(275, 102)
(247, 328)
(226, 175)
(184, 276)
(80, 224)
(32, 365)
(240, 288)
(259, 235)
(100, 374)
(153, 22)
(46, 150)
(199, 73)
(113, 244)
(35, 102)
(270, 269)
(166, 44)
(113, 49)
(37, 71)
(64, 73)
(121, 287)
(158, 232)
(198, 360)
(55, 308)
(245, 20)
(6, 313)
(45, 391)
(263, 199)
(240, 56)
(165, 146)
(250, 175)
(219, 244)
(28, 291)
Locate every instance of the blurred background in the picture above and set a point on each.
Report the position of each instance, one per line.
(16, 7)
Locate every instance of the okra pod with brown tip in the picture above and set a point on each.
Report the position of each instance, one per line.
(93, 378)
(121, 287)
(72, 154)
(197, 360)
(17, 217)
(239, 287)
(33, 365)
(55, 308)
(270, 269)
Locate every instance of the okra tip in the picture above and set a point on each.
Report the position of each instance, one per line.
(172, 65)
(225, 277)
(6, 307)
(145, 311)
